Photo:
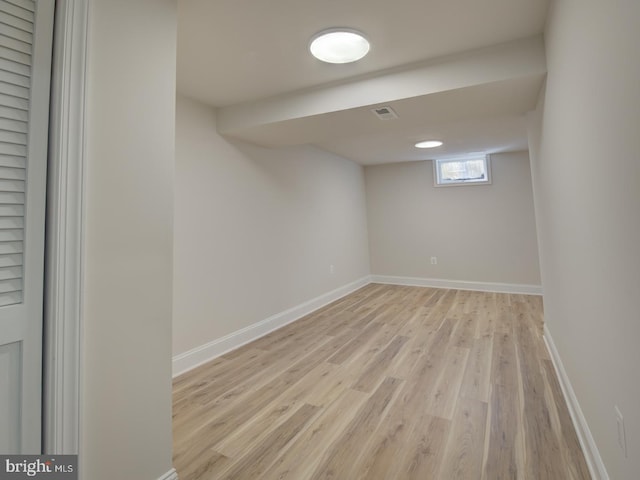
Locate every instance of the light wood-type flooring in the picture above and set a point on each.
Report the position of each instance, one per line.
(389, 382)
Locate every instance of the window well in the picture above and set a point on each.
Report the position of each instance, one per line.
(462, 171)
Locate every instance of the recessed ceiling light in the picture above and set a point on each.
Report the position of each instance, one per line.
(429, 144)
(339, 45)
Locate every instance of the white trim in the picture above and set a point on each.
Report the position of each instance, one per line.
(459, 284)
(588, 444)
(191, 359)
(170, 475)
(65, 231)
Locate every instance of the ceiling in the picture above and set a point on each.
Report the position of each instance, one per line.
(461, 71)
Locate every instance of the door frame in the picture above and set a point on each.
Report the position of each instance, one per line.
(64, 256)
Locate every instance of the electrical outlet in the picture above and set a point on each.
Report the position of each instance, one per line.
(434, 260)
(622, 439)
(332, 269)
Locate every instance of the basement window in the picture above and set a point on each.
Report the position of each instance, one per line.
(462, 171)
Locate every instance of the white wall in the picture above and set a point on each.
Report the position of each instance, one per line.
(256, 229)
(480, 233)
(586, 173)
(130, 118)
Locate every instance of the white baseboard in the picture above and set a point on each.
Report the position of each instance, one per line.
(459, 284)
(589, 447)
(170, 475)
(207, 352)
(193, 358)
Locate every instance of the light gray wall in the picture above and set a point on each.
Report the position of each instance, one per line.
(480, 233)
(256, 229)
(130, 128)
(586, 173)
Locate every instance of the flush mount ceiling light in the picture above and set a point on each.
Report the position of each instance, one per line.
(339, 45)
(429, 144)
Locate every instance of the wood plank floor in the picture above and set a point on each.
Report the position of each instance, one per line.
(389, 382)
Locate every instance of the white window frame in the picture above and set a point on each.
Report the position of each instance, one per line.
(437, 182)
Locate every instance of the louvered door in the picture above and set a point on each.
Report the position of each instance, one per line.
(25, 58)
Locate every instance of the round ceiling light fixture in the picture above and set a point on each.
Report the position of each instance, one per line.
(429, 144)
(339, 45)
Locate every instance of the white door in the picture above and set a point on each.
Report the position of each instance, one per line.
(25, 61)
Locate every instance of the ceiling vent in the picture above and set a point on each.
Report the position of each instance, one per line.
(384, 113)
